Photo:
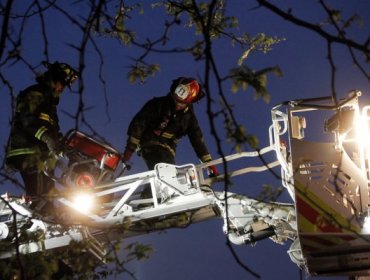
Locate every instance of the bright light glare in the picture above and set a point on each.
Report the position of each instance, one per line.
(366, 226)
(362, 130)
(363, 137)
(83, 202)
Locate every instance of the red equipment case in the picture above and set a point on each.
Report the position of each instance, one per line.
(93, 149)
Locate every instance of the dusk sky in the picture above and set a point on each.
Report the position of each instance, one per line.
(199, 251)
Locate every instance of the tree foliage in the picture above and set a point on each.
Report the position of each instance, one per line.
(209, 23)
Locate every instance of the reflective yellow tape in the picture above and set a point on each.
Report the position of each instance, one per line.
(17, 152)
(40, 132)
(46, 117)
(134, 140)
(167, 135)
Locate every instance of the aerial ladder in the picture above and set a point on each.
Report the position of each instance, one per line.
(327, 181)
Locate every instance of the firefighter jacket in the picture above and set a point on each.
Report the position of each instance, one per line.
(157, 123)
(35, 114)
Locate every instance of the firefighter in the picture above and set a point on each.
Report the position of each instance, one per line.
(34, 139)
(158, 126)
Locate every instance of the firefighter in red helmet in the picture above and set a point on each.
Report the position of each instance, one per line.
(162, 121)
(34, 135)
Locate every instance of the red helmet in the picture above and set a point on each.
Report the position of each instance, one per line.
(186, 90)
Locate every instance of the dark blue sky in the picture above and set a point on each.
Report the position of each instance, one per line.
(198, 252)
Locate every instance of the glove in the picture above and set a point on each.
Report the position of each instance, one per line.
(212, 171)
(51, 143)
(126, 157)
